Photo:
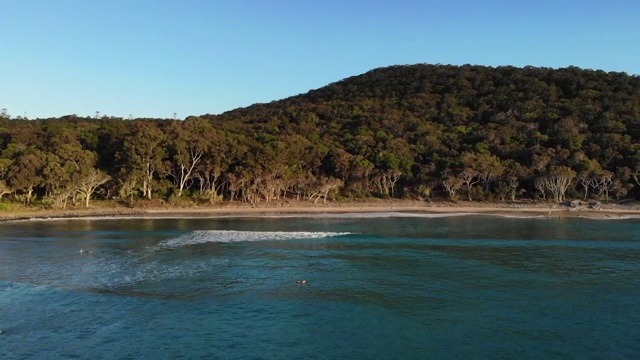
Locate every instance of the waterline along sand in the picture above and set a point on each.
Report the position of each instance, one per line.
(300, 208)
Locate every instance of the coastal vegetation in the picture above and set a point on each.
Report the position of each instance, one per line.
(418, 131)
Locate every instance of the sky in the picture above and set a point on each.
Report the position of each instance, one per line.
(157, 58)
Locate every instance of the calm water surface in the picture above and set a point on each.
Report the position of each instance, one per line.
(384, 286)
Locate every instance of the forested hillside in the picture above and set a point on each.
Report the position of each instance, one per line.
(471, 132)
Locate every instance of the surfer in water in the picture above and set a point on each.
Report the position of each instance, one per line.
(301, 282)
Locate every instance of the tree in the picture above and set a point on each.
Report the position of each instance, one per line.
(621, 184)
(188, 144)
(489, 169)
(636, 174)
(425, 191)
(212, 171)
(558, 180)
(360, 170)
(452, 185)
(418, 120)
(145, 154)
(589, 170)
(54, 175)
(587, 181)
(386, 181)
(24, 173)
(540, 184)
(324, 187)
(338, 162)
(483, 166)
(469, 178)
(4, 189)
(88, 181)
(511, 178)
(604, 183)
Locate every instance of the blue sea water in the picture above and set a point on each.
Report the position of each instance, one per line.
(380, 286)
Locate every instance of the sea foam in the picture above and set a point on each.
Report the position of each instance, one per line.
(227, 236)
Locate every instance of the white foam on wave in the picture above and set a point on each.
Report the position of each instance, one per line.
(227, 236)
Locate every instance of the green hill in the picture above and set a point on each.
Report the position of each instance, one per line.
(475, 132)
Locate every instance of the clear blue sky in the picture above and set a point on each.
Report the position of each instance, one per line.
(153, 58)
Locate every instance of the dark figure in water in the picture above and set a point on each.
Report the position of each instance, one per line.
(301, 282)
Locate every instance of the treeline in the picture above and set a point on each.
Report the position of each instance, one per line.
(471, 132)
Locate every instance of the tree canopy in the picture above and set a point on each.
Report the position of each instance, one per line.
(403, 131)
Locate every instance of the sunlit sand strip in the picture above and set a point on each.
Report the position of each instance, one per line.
(327, 210)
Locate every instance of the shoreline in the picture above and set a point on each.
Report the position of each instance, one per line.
(292, 208)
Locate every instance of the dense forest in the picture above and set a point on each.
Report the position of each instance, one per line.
(454, 132)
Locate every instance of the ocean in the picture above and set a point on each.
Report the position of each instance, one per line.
(378, 286)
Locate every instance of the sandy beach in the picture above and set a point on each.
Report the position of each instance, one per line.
(291, 207)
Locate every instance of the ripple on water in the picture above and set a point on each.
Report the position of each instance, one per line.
(393, 287)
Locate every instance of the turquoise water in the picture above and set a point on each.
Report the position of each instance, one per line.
(385, 286)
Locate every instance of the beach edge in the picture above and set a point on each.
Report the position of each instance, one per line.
(291, 208)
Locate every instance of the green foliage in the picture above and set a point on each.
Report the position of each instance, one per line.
(7, 206)
(427, 130)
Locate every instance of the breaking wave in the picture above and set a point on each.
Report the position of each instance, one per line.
(227, 236)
